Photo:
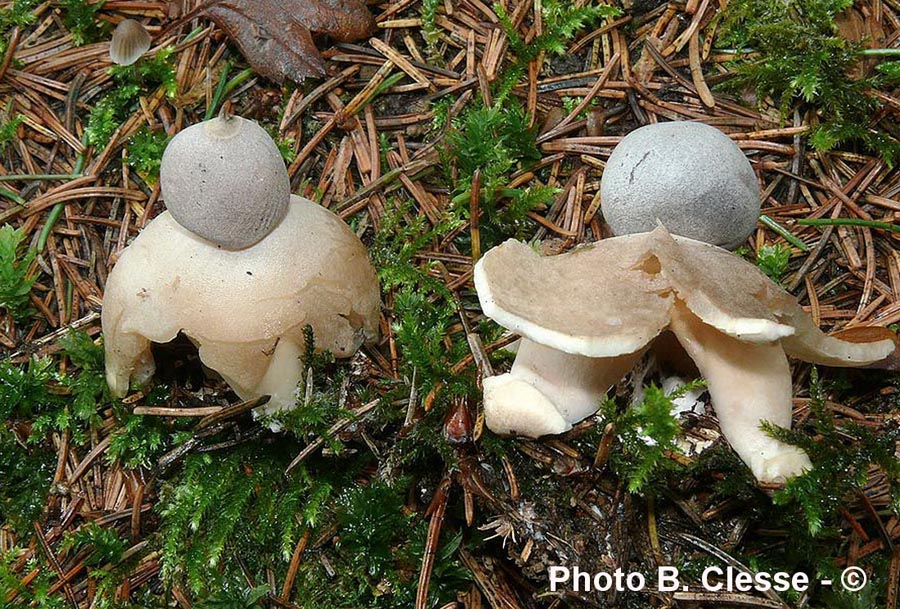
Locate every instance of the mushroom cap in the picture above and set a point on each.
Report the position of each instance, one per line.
(129, 41)
(311, 270)
(689, 176)
(225, 180)
(614, 296)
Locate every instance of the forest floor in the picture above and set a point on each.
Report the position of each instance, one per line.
(456, 126)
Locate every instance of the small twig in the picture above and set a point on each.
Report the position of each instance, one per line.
(725, 598)
(889, 226)
(231, 411)
(730, 560)
(36, 344)
(39, 177)
(294, 566)
(54, 563)
(785, 233)
(166, 411)
(187, 446)
(413, 399)
(474, 212)
(437, 509)
(320, 441)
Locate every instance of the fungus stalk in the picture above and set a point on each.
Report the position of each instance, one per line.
(749, 383)
(548, 390)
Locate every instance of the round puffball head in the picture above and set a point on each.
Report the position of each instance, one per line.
(224, 180)
(689, 176)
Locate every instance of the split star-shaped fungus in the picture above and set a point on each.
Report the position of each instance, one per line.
(587, 316)
(241, 267)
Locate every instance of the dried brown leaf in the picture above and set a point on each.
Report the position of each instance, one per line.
(276, 36)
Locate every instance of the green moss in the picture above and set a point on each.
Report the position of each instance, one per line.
(496, 141)
(646, 432)
(108, 113)
(561, 22)
(570, 103)
(235, 598)
(36, 400)
(27, 472)
(130, 82)
(87, 387)
(773, 260)
(104, 544)
(15, 285)
(841, 456)
(234, 514)
(800, 56)
(237, 503)
(18, 13)
(377, 556)
(139, 441)
(80, 17)
(37, 593)
(145, 150)
(8, 129)
(430, 30)
(424, 309)
(286, 148)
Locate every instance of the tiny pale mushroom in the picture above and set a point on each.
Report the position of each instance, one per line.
(245, 308)
(588, 315)
(129, 41)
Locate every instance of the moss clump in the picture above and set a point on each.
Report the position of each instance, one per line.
(18, 13)
(36, 401)
(80, 17)
(495, 141)
(145, 150)
(841, 455)
(795, 53)
(646, 433)
(561, 22)
(773, 260)
(15, 285)
(130, 83)
(231, 504)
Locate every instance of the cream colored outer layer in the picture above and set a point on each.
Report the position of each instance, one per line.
(613, 297)
(245, 309)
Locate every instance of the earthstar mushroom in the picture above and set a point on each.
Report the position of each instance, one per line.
(245, 307)
(587, 316)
